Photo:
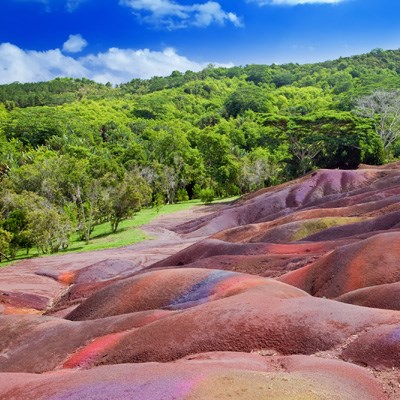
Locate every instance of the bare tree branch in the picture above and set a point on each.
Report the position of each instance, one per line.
(384, 108)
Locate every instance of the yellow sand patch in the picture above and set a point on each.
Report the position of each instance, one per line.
(312, 226)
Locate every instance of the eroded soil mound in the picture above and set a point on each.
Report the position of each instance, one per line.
(203, 377)
(289, 293)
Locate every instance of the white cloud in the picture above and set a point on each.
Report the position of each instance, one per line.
(72, 5)
(293, 2)
(31, 66)
(171, 15)
(123, 64)
(115, 65)
(50, 5)
(74, 44)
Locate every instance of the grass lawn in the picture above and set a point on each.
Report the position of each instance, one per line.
(128, 233)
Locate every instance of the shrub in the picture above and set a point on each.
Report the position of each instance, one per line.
(207, 195)
(182, 195)
(196, 191)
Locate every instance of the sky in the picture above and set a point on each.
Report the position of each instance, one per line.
(119, 40)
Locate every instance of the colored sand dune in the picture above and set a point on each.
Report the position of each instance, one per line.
(289, 293)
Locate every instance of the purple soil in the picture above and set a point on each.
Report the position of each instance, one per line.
(224, 311)
(247, 322)
(387, 222)
(265, 265)
(213, 375)
(49, 277)
(38, 344)
(370, 262)
(186, 293)
(212, 247)
(97, 272)
(202, 310)
(318, 185)
(173, 289)
(23, 300)
(380, 296)
(255, 232)
(378, 347)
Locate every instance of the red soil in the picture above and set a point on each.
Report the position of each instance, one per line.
(385, 296)
(369, 262)
(203, 377)
(187, 293)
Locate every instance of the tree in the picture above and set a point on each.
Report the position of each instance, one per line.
(5, 239)
(247, 97)
(305, 152)
(259, 168)
(127, 198)
(384, 108)
(16, 223)
(48, 230)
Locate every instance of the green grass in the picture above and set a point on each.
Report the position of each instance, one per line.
(128, 233)
(310, 227)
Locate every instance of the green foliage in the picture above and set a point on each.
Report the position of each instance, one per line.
(207, 195)
(5, 240)
(92, 155)
(316, 225)
(182, 195)
(248, 97)
(127, 198)
(48, 230)
(17, 224)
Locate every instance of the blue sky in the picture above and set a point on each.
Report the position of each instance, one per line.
(118, 40)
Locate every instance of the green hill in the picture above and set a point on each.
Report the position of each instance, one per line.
(87, 153)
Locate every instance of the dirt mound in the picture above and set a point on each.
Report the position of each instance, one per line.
(383, 223)
(125, 317)
(319, 185)
(167, 314)
(172, 289)
(265, 265)
(380, 296)
(38, 344)
(97, 272)
(378, 347)
(223, 311)
(369, 262)
(206, 376)
(209, 248)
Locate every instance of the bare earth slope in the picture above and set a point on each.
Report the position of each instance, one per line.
(289, 293)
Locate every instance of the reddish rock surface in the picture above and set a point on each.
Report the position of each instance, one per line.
(203, 377)
(369, 262)
(380, 296)
(378, 347)
(195, 313)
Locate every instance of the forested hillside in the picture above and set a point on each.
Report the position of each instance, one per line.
(74, 153)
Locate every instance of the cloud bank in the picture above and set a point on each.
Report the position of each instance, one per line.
(171, 15)
(115, 65)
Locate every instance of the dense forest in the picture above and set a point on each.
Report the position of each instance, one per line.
(75, 153)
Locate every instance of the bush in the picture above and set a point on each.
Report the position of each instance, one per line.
(196, 191)
(207, 195)
(182, 195)
(159, 201)
(5, 239)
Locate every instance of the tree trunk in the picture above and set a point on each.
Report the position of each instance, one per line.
(2, 255)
